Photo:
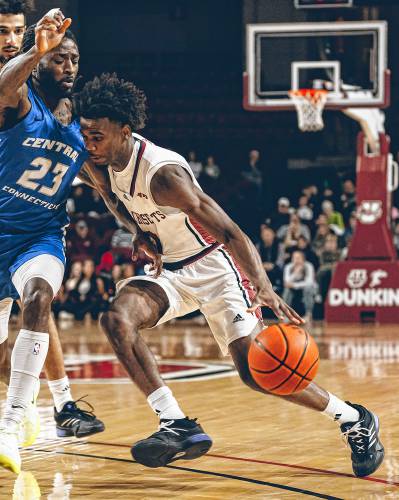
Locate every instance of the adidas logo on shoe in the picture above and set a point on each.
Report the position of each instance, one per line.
(238, 318)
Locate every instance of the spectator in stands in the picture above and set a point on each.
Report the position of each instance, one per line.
(269, 249)
(116, 273)
(251, 188)
(321, 234)
(311, 191)
(210, 177)
(305, 213)
(80, 244)
(303, 246)
(348, 199)
(350, 229)
(121, 245)
(196, 166)
(329, 195)
(299, 284)
(282, 215)
(334, 219)
(211, 169)
(252, 173)
(74, 276)
(85, 298)
(330, 254)
(290, 233)
(104, 274)
(63, 296)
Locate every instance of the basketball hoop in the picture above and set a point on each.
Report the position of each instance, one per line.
(309, 104)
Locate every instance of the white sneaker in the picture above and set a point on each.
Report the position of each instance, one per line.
(30, 427)
(9, 454)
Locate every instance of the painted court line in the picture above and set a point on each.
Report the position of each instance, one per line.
(203, 472)
(278, 464)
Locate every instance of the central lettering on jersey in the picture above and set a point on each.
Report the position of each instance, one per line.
(148, 219)
(30, 199)
(59, 147)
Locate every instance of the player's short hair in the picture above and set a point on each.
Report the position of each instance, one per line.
(108, 96)
(16, 6)
(28, 40)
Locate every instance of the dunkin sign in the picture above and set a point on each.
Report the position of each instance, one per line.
(364, 289)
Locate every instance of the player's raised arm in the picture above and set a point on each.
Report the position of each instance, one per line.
(49, 32)
(171, 186)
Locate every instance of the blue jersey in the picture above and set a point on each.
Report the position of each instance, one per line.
(39, 158)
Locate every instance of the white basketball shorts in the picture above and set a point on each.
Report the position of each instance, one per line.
(215, 285)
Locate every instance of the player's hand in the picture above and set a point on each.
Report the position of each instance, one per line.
(50, 30)
(148, 244)
(267, 297)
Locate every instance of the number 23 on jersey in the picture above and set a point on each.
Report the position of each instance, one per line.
(30, 176)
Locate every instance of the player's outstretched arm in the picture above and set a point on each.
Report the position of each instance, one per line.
(172, 186)
(50, 31)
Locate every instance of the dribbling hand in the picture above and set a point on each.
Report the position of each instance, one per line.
(50, 30)
(148, 244)
(269, 298)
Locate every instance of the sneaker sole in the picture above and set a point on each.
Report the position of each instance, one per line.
(9, 464)
(380, 453)
(32, 436)
(62, 432)
(156, 453)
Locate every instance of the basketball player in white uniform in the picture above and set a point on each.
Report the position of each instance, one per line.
(203, 251)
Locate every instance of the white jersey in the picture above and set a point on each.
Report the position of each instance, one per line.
(180, 236)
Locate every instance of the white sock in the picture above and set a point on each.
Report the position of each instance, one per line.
(164, 404)
(27, 360)
(61, 391)
(340, 411)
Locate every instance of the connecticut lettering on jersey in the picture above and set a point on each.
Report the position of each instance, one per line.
(30, 199)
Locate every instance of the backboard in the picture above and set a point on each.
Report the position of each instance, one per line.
(349, 59)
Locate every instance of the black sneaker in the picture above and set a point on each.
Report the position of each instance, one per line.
(72, 421)
(174, 440)
(362, 437)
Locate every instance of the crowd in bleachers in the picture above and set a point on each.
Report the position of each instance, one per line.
(299, 242)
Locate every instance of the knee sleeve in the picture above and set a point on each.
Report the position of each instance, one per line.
(44, 266)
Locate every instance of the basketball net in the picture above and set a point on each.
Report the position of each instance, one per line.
(309, 104)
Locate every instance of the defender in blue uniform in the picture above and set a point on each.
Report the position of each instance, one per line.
(70, 419)
(39, 158)
(41, 151)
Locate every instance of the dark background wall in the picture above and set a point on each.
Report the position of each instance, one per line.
(188, 57)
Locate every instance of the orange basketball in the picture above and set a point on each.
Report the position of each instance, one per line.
(283, 359)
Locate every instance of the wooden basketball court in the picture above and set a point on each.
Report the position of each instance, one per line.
(263, 446)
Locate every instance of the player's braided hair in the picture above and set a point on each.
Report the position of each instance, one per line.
(16, 6)
(108, 96)
(28, 40)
